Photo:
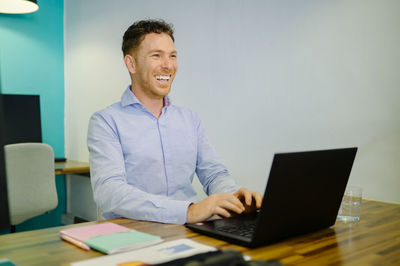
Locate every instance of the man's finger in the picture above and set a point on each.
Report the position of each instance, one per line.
(258, 199)
(229, 206)
(222, 212)
(248, 197)
(244, 193)
(233, 199)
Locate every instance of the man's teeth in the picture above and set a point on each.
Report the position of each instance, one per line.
(162, 77)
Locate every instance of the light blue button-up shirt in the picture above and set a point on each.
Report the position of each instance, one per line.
(142, 167)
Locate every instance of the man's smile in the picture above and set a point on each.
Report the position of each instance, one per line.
(163, 77)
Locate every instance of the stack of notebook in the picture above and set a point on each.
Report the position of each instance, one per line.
(108, 238)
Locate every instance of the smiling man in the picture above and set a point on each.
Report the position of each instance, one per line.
(145, 151)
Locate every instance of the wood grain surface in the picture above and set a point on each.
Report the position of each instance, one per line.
(374, 240)
(71, 167)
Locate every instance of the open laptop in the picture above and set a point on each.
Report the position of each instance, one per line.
(303, 194)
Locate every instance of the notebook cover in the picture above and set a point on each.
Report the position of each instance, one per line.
(122, 241)
(85, 232)
(110, 238)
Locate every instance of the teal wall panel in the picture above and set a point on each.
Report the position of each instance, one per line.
(32, 62)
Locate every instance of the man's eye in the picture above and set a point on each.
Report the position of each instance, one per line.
(155, 55)
(173, 56)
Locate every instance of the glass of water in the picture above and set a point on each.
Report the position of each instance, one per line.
(350, 209)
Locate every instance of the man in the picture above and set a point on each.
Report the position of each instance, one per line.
(144, 151)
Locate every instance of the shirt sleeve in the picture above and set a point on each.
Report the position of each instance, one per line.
(211, 171)
(113, 195)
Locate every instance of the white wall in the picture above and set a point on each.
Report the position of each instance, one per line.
(264, 76)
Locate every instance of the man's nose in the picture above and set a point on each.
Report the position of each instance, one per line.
(167, 63)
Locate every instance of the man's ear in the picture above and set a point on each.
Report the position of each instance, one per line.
(130, 63)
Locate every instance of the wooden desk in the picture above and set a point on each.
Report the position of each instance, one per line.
(71, 167)
(375, 240)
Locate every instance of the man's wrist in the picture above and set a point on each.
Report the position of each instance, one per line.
(188, 212)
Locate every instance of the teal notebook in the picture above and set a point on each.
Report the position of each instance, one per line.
(121, 242)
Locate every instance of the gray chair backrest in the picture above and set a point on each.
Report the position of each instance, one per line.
(30, 180)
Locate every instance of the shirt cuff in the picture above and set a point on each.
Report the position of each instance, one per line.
(177, 211)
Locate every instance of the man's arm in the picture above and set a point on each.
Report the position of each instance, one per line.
(111, 191)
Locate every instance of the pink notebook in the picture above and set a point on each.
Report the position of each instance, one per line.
(85, 232)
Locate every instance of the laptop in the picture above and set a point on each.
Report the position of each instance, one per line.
(303, 195)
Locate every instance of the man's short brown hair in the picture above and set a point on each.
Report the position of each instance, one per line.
(135, 34)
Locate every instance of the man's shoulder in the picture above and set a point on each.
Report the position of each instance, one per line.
(117, 107)
(109, 111)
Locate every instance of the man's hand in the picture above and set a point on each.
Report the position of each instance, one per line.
(251, 200)
(219, 204)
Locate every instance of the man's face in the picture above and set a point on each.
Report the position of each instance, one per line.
(155, 65)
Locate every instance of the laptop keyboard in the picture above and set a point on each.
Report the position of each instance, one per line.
(245, 230)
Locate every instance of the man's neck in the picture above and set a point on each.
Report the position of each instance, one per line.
(153, 104)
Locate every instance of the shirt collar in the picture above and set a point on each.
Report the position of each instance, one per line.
(128, 98)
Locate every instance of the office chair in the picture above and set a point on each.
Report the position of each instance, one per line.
(30, 180)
